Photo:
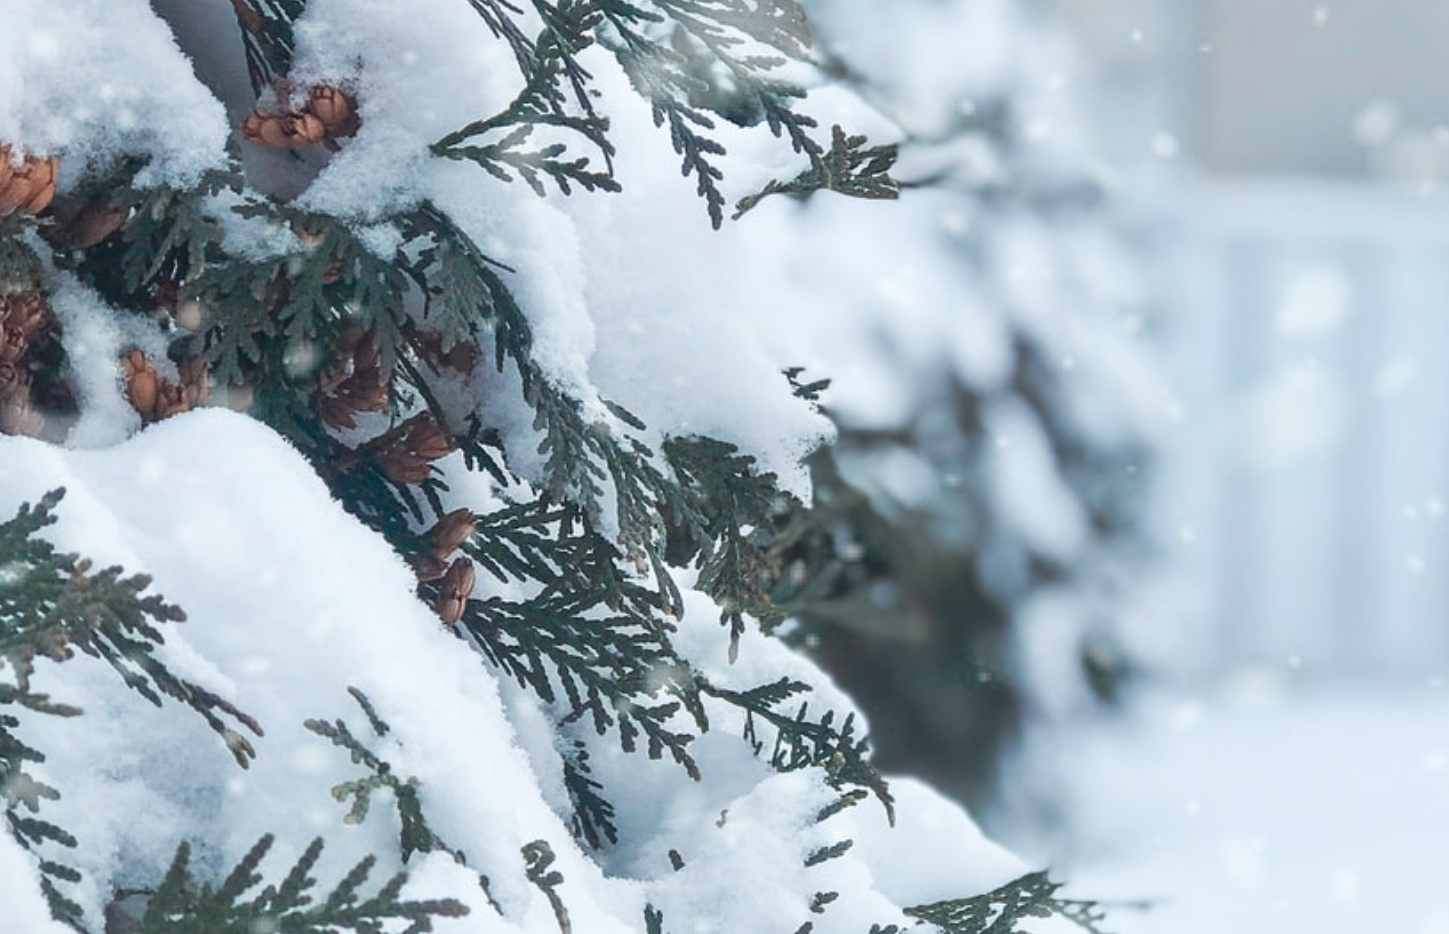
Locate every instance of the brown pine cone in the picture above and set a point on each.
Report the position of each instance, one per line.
(25, 311)
(451, 532)
(355, 383)
(425, 439)
(336, 109)
(399, 466)
(143, 384)
(291, 130)
(28, 186)
(405, 452)
(12, 344)
(14, 381)
(454, 590)
(170, 400)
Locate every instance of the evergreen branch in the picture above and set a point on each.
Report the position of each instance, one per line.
(55, 604)
(1000, 911)
(719, 62)
(266, 27)
(798, 741)
(547, 64)
(181, 904)
(462, 285)
(608, 669)
(593, 817)
(506, 158)
(720, 517)
(499, 15)
(416, 834)
(538, 857)
(847, 167)
(50, 605)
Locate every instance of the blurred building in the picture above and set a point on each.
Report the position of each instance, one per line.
(1283, 164)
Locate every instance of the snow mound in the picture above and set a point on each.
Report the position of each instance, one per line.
(290, 602)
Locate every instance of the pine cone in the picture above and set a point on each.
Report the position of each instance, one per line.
(170, 400)
(355, 383)
(426, 439)
(14, 381)
(28, 186)
(451, 532)
(454, 590)
(405, 452)
(13, 344)
(26, 311)
(291, 130)
(336, 109)
(143, 385)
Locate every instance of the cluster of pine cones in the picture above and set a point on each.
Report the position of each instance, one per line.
(328, 115)
(353, 382)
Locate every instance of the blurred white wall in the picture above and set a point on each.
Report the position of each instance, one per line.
(1347, 88)
(1298, 240)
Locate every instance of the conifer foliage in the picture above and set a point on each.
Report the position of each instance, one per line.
(367, 335)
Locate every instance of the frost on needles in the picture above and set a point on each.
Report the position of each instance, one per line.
(502, 637)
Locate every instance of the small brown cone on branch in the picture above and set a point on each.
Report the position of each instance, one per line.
(405, 453)
(329, 114)
(336, 109)
(290, 130)
(143, 384)
(355, 383)
(454, 590)
(29, 185)
(154, 396)
(24, 318)
(451, 532)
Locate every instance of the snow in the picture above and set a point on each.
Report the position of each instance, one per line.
(289, 602)
(1264, 804)
(621, 305)
(95, 80)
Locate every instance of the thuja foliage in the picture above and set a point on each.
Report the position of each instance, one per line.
(1031, 896)
(416, 834)
(52, 605)
(356, 342)
(182, 904)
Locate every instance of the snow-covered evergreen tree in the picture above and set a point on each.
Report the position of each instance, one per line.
(440, 642)
(977, 520)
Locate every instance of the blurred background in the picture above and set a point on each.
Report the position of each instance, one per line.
(1142, 398)
(1280, 166)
